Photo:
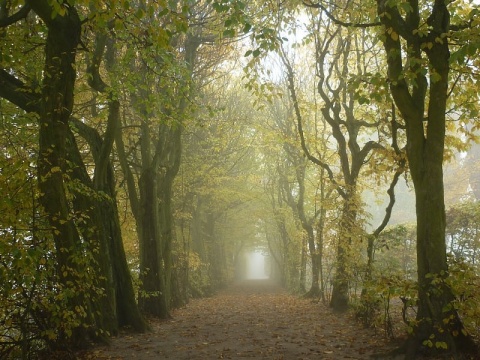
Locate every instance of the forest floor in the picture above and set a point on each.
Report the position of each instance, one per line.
(252, 319)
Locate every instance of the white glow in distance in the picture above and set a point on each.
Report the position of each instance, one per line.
(256, 266)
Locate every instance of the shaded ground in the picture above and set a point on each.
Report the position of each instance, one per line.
(252, 319)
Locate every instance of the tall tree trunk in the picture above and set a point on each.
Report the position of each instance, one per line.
(85, 204)
(277, 267)
(56, 106)
(340, 298)
(320, 237)
(339, 113)
(210, 237)
(298, 207)
(105, 219)
(314, 290)
(152, 296)
(303, 267)
(438, 325)
(170, 157)
(111, 258)
(143, 197)
(168, 153)
(166, 224)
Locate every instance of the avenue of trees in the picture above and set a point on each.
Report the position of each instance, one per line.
(149, 146)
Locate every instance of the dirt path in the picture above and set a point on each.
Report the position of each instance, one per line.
(253, 319)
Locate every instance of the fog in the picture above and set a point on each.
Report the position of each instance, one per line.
(255, 266)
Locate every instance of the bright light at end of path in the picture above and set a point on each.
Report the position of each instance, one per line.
(256, 266)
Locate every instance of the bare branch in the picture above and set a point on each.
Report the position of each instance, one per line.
(337, 21)
(369, 146)
(93, 69)
(293, 94)
(391, 194)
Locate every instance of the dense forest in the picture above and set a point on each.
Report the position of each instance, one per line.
(152, 149)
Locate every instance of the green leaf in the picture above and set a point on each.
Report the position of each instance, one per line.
(441, 345)
(363, 100)
(405, 6)
(229, 33)
(163, 12)
(139, 13)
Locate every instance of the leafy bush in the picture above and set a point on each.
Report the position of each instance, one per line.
(465, 283)
(374, 306)
(36, 312)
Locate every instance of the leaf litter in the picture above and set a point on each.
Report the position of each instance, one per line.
(253, 319)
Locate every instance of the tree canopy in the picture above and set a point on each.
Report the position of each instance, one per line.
(148, 147)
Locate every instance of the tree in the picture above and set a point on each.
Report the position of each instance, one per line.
(160, 107)
(352, 126)
(294, 193)
(67, 193)
(162, 96)
(54, 106)
(283, 240)
(418, 58)
(219, 174)
(417, 41)
(463, 232)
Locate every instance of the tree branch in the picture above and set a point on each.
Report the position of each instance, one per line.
(369, 146)
(96, 82)
(19, 15)
(391, 194)
(15, 91)
(293, 94)
(310, 4)
(93, 69)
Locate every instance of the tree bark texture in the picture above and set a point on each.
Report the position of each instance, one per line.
(54, 112)
(339, 113)
(105, 219)
(152, 296)
(437, 321)
(120, 281)
(340, 298)
(55, 131)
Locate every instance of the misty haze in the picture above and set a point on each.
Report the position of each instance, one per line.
(229, 179)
